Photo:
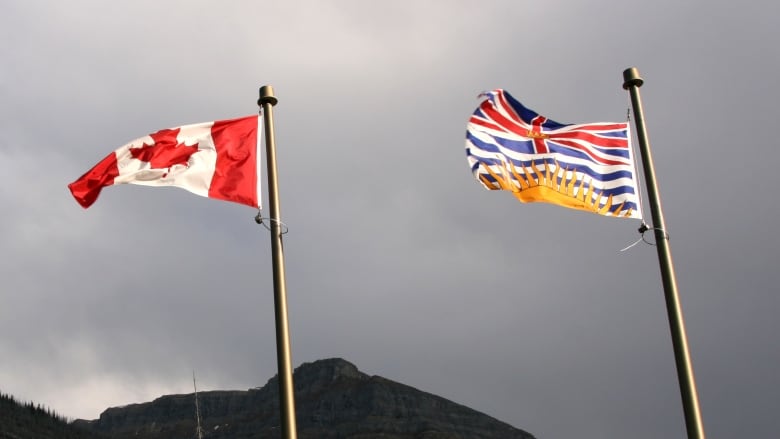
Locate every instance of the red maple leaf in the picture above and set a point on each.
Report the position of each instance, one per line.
(166, 151)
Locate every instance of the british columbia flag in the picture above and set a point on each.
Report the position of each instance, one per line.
(585, 166)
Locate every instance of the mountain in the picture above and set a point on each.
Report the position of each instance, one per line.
(28, 421)
(333, 400)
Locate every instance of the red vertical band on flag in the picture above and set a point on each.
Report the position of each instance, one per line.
(87, 188)
(235, 176)
(539, 144)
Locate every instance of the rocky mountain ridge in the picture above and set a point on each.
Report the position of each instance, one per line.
(333, 400)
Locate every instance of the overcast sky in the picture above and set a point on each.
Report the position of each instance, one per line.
(397, 259)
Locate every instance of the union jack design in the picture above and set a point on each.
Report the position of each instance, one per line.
(586, 166)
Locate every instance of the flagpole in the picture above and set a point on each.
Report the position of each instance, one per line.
(283, 358)
(690, 399)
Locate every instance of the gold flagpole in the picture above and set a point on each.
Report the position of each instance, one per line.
(283, 357)
(690, 399)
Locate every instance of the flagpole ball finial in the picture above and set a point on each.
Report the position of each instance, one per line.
(631, 78)
(267, 96)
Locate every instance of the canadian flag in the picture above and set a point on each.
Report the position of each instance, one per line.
(217, 159)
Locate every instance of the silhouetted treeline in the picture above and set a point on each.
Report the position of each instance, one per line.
(33, 421)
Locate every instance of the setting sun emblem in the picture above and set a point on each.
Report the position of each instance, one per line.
(551, 183)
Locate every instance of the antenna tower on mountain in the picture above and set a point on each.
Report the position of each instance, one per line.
(199, 430)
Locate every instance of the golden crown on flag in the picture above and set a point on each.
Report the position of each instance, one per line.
(536, 135)
(552, 184)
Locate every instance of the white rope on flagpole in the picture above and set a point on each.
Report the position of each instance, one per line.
(642, 229)
(260, 219)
